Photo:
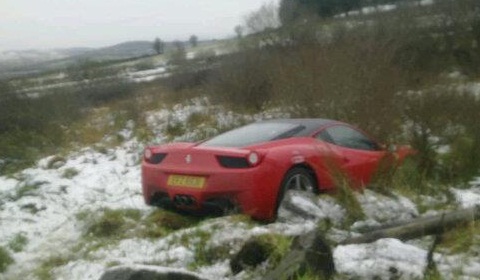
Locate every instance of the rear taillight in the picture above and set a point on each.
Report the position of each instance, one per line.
(251, 160)
(153, 158)
(233, 162)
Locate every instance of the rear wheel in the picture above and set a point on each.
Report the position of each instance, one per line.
(297, 179)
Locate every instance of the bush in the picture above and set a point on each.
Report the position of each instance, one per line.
(243, 81)
(31, 127)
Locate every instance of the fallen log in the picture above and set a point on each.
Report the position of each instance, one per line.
(311, 252)
(420, 227)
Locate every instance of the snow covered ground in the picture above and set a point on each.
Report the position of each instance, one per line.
(43, 203)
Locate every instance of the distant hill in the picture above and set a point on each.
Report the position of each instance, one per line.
(119, 51)
(23, 62)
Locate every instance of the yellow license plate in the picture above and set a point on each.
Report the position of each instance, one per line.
(186, 181)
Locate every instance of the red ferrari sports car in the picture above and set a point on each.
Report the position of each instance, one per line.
(251, 167)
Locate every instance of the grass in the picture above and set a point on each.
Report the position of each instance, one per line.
(110, 223)
(203, 253)
(345, 196)
(107, 227)
(175, 129)
(18, 243)
(69, 173)
(161, 222)
(26, 190)
(5, 259)
(410, 182)
(45, 270)
(461, 239)
(279, 246)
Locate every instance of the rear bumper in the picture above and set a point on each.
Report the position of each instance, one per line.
(215, 207)
(252, 191)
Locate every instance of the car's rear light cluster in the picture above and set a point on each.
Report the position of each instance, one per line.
(239, 162)
(233, 162)
(154, 158)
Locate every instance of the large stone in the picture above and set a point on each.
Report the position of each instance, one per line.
(143, 272)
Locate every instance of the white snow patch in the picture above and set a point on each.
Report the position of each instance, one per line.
(467, 198)
(383, 259)
(46, 213)
(385, 209)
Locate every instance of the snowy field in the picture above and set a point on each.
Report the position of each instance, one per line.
(43, 204)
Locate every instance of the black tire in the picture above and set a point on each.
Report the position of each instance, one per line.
(297, 178)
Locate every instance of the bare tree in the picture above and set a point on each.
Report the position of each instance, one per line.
(158, 46)
(179, 56)
(239, 31)
(193, 41)
(263, 19)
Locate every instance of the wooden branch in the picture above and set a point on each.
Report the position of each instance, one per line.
(420, 227)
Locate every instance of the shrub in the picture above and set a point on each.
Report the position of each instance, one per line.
(243, 81)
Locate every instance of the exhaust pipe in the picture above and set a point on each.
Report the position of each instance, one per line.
(184, 200)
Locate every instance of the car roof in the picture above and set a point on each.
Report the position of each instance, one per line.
(311, 125)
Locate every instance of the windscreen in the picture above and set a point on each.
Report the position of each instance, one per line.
(253, 134)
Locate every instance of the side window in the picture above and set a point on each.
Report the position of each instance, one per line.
(324, 136)
(347, 137)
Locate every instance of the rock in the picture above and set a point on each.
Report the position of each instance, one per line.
(144, 272)
(309, 253)
(253, 253)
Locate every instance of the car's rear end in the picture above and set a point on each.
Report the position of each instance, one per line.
(208, 179)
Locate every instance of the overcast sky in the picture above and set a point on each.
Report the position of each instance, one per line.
(44, 24)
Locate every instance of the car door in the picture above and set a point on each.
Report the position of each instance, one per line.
(357, 155)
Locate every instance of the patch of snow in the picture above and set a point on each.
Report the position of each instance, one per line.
(385, 209)
(148, 75)
(190, 55)
(46, 213)
(159, 269)
(467, 198)
(383, 259)
(426, 2)
(80, 270)
(457, 267)
(475, 182)
(217, 271)
(313, 209)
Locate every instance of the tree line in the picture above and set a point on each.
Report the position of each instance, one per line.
(292, 10)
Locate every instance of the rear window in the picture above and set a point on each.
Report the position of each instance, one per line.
(253, 134)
